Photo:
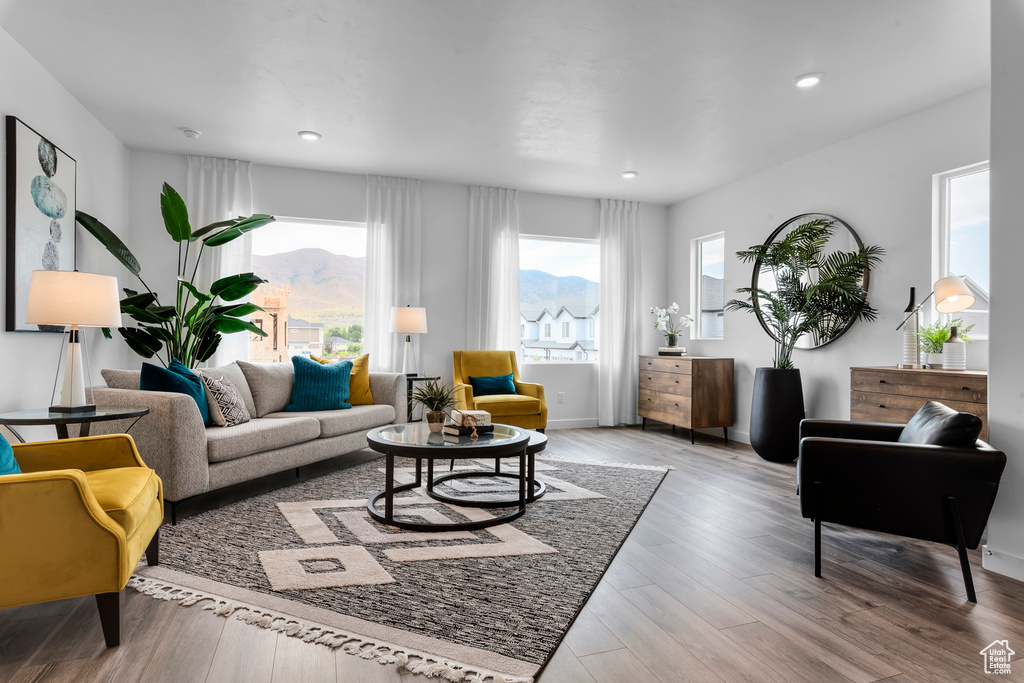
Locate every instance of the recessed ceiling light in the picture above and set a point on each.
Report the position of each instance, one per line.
(191, 134)
(629, 175)
(808, 80)
(309, 135)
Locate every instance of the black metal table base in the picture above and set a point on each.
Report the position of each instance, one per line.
(388, 494)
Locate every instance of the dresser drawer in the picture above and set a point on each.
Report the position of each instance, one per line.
(673, 364)
(666, 382)
(664, 407)
(969, 388)
(868, 406)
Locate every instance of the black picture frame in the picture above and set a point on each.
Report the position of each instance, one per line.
(42, 184)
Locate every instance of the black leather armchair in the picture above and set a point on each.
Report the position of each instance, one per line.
(858, 474)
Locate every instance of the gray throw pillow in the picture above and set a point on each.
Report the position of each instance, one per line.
(225, 402)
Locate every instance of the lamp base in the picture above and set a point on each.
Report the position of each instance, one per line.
(73, 409)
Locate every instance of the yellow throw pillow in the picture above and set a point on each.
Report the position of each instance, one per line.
(318, 359)
(359, 382)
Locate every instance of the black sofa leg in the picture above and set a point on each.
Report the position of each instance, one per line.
(961, 549)
(111, 616)
(817, 531)
(153, 550)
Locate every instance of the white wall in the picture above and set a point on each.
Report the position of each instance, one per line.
(880, 183)
(445, 221)
(1005, 550)
(30, 93)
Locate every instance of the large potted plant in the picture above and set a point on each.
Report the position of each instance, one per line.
(815, 294)
(190, 329)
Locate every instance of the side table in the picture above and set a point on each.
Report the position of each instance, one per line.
(410, 381)
(43, 416)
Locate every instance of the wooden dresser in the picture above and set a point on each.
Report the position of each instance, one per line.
(889, 394)
(687, 391)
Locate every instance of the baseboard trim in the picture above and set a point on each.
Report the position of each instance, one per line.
(582, 423)
(1002, 563)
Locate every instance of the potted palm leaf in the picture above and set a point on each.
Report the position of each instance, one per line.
(436, 397)
(190, 329)
(815, 294)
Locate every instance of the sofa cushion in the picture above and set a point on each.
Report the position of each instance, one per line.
(359, 382)
(125, 493)
(508, 404)
(319, 387)
(338, 422)
(225, 402)
(232, 373)
(258, 436)
(121, 379)
(270, 384)
(937, 425)
(177, 378)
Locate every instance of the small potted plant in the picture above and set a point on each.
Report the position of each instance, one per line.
(435, 396)
(663, 321)
(935, 335)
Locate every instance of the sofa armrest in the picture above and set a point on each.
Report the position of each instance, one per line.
(844, 429)
(171, 438)
(86, 454)
(389, 388)
(464, 397)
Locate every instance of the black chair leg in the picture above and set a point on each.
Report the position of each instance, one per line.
(153, 550)
(961, 549)
(817, 530)
(111, 616)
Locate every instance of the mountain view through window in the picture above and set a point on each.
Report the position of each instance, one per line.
(559, 299)
(316, 272)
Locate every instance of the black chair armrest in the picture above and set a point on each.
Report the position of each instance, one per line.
(843, 429)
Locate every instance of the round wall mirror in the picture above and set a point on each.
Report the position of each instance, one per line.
(843, 238)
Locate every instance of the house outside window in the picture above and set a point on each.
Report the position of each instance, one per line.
(559, 283)
(316, 273)
(707, 286)
(962, 239)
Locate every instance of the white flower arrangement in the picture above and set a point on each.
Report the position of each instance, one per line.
(663, 319)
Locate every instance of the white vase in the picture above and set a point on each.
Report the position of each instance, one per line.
(954, 352)
(933, 359)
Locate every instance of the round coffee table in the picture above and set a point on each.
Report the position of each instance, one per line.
(415, 440)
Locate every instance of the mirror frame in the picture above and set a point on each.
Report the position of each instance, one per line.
(798, 220)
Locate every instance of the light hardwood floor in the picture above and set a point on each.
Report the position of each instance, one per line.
(715, 583)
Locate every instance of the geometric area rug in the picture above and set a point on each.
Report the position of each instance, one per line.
(474, 606)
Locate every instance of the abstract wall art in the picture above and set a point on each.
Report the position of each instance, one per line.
(40, 216)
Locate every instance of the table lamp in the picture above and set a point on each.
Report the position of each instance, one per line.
(408, 321)
(68, 297)
(952, 295)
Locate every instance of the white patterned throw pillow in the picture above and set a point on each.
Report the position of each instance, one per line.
(226, 405)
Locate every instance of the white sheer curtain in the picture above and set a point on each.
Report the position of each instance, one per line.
(215, 190)
(392, 264)
(493, 269)
(621, 312)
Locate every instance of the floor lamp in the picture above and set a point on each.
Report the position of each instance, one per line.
(408, 321)
(952, 295)
(70, 298)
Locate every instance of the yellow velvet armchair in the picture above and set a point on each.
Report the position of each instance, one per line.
(76, 521)
(526, 408)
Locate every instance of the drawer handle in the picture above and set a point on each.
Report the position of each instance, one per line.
(881, 381)
(648, 399)
(965, 388)
(677, 365)
(677, 405)
(677, 381)
(650, 363)
(880, 405)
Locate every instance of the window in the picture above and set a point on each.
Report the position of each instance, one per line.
(707, 299)
(316, 272)
(592, 330)
(963, 238)
(559, 281)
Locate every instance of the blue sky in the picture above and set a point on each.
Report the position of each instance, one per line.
(968, 227)
(582, 259)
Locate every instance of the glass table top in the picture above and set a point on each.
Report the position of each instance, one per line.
(419, 434)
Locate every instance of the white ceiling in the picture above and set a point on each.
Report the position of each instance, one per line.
(548, 96)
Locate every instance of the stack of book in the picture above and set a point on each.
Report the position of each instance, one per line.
(459, 430)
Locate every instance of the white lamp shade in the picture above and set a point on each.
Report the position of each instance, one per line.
(952, 295)
(409, 320)
(67, 297)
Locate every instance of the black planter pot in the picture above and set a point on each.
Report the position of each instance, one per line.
(775, 414)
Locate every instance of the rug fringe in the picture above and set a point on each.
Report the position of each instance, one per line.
(414, 661)
(608, 463)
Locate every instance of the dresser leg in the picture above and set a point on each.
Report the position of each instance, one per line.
(691, 435)
(643, 424)
(725, 431)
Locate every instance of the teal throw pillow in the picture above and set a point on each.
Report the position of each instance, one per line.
(179, 379)
(319, 387)
(487, 386)
(8, 465)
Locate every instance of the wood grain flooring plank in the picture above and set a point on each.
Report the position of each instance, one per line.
(588, 636)
(618, 666)
(245, 654)
(296, 660)
(564, 667)
(781, 654)
(621, 575)
(20, 640)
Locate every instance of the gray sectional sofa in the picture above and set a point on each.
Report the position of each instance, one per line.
(192, 459)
